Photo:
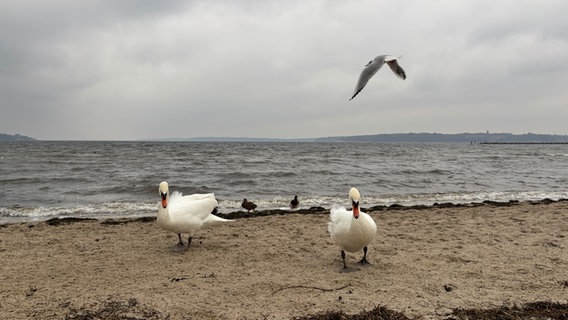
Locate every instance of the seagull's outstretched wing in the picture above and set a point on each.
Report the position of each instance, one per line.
(396, 68)
(368, 72)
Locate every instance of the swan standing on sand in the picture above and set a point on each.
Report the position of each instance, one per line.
(373, 66)
(186, 214)
(352, 230)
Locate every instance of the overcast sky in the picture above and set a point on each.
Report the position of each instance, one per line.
(121, 70)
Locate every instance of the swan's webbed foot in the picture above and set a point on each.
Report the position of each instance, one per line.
(363, 260)
(345, 267)
(180, 242)
(348, 269)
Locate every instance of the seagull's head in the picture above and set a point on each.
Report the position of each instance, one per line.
(355, 198)
(164, 190)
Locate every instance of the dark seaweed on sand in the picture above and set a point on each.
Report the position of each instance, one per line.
(535, 311)
(274, 212)
(378, 313)
(312, 210)
(115, 310)
(133, 310)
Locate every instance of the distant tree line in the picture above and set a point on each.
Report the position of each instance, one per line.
(387, 137)
(14, 137)
(443, 137)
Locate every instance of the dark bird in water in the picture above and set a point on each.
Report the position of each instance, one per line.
(294, 203)
(248, 205)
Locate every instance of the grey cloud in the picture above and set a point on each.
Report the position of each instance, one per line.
(122, 69)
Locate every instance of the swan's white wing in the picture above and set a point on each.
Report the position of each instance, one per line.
(195, 196)
(193, 209)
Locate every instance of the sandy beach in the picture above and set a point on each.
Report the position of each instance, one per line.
(425, 263)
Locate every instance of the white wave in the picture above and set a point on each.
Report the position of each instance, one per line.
(118, 210)
(557, 154)
(227, 206)
(85, 211)
(460, 198)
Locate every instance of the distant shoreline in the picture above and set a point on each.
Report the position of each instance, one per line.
(473, 138)
(523, 143)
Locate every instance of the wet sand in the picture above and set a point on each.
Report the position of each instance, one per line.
(425, 262)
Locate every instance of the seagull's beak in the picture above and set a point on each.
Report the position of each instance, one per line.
(355, 206)
(164, 200)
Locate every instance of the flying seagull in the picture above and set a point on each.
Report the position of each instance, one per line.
(373, 66)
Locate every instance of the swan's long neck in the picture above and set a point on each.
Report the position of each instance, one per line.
(355, 198)
(356, 211)
(163, 218)
(165, 199)
(164, 210)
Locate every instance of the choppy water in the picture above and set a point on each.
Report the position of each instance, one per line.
(41, 179)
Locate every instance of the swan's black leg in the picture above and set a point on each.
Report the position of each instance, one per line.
(189, 241)
(180, 243)
(364, 260)
(345, 267)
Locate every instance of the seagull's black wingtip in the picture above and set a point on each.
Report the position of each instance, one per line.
(356, 93)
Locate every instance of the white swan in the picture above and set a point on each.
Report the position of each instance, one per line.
(351, 231)
(186, 214)
(373, 66)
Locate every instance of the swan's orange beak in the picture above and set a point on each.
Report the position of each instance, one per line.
(164, 200)
(355, 206)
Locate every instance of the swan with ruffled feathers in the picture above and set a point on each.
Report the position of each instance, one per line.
(351, 231)
(186, 214)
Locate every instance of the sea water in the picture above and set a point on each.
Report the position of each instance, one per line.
(45, 179)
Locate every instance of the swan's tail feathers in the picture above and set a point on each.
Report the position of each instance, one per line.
(213, 219)
(330, 228)
(334, 218)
